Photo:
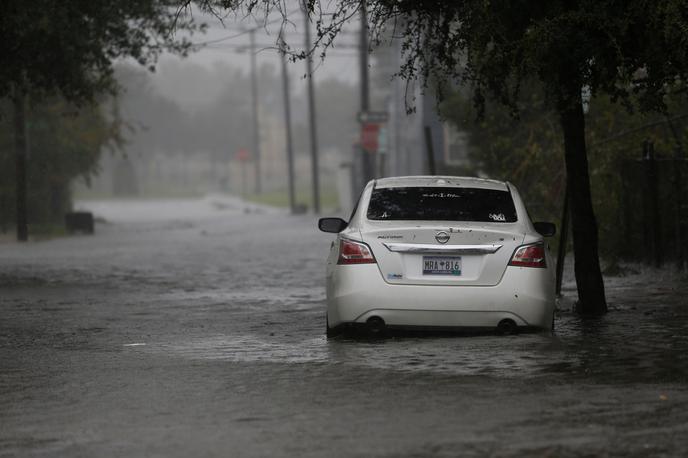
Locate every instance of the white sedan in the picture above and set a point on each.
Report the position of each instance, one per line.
(433, 253)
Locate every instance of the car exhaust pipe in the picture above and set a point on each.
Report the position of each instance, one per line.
(376, 326)
(507, 327)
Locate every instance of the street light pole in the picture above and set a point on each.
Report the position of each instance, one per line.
(366, 159)
(363, 55)
(311, 114)
(287, 123)
(254, 100)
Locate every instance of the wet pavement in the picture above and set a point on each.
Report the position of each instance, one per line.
(203, 335)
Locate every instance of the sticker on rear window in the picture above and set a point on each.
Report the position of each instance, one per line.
(427, 203)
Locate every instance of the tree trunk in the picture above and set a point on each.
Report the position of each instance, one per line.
(591, 299)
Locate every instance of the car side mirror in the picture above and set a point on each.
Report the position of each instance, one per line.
(545, 229)
(334, 225)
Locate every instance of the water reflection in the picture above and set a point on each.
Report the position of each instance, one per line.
(503, 356)
(614, 348)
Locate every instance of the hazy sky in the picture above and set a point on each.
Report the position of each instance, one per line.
(184, 81)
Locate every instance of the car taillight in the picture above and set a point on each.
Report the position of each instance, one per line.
(529, 256)
(351, 252)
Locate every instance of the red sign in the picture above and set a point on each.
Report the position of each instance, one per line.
(369, 136)
(241, 155)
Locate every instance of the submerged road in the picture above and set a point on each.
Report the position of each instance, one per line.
(188, 328)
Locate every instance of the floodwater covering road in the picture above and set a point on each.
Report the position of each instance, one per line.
(189, 328)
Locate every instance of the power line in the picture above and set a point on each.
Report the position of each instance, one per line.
(245, 31)
(219, 40)
(271, 45)
(238, 48)
(336, 55)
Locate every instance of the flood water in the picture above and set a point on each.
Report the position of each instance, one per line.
(193, 328)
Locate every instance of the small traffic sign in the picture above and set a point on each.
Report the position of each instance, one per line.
(369, 137)
(242, 155)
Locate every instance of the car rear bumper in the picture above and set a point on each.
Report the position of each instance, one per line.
(356, 293)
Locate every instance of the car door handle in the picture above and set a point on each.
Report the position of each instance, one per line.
(441, 249)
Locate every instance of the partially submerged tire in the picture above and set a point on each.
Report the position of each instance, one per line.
(330, 332)
(507, 327)
(376, 327)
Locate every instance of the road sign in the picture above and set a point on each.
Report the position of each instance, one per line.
(373, 116)
(369, 137)
(242, 155)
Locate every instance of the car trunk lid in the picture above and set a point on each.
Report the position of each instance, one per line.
(456, 254)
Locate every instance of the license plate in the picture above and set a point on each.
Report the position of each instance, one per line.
(442, 265)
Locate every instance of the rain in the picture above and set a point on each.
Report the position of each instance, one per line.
(162, 275)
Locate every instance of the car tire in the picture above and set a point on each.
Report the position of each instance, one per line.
(330, 332)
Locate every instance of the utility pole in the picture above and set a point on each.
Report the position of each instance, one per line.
(287, 123)
(254, 100)
(366, 158)
(21, 147)
(311, 114)
(363, 50)
(398, 164)
(430, 151)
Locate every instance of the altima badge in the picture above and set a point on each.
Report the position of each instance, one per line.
(442, 237)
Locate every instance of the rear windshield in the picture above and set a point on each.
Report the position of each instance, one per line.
(442, 204)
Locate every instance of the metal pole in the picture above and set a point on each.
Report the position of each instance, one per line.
(563, 241)
(363, 52)
(366, 158)
(287, 123)
(430, 151)
(21, 153)
(397, 113)
(311, 115)
(254, 101)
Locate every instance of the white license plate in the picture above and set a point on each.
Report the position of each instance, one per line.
(442, 265)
